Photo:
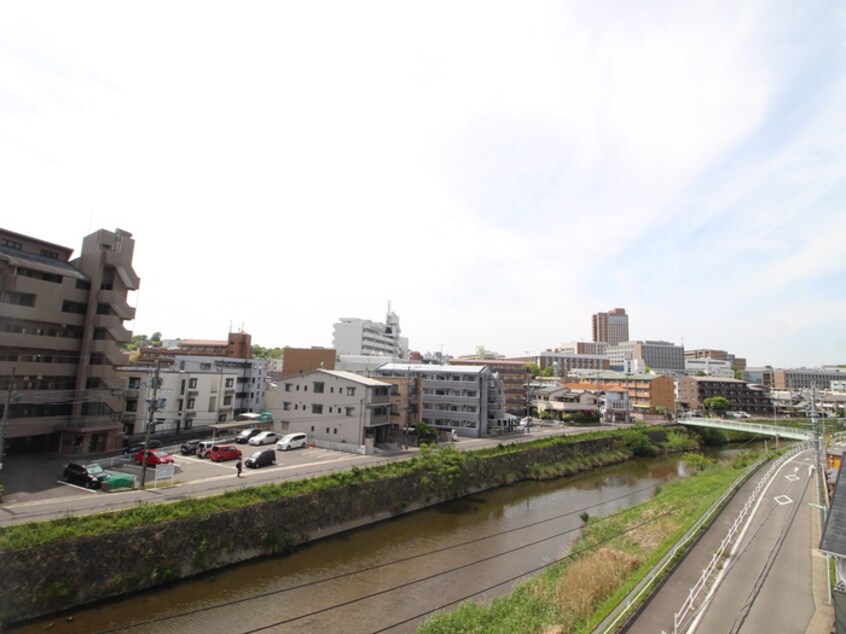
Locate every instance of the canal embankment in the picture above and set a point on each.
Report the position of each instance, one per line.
(61, 564)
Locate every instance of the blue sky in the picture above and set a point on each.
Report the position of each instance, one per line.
(499, 171)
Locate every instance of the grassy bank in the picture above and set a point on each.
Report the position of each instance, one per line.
(612, 555)
(440, 471)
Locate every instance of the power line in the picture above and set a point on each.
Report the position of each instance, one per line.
(404, 560)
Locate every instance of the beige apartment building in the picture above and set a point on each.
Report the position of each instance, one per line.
(61, 331)
(648, 393)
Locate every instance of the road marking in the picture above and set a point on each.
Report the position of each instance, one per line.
(792, 478)
(781, 500)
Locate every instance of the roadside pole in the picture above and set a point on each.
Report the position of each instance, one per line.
(153, 405)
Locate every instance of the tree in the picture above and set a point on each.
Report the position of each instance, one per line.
(718, 404)
(549, 371)
(533, 368)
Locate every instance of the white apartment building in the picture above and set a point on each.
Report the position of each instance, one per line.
(710, 367)
(467, 399)
(195, 392)
(338, 410)
(353, 336)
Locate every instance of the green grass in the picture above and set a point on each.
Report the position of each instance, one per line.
(613, 554)
(440, 470)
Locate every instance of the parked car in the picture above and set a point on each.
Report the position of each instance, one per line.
(154, 457)
(245, 434)
(292, 441)
(264, 438)
(261, 458)
(90, 476)
(155, 443)
(204, 447)
(189, 447)
(219, 453)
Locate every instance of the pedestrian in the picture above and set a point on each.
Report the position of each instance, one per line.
(238, 468)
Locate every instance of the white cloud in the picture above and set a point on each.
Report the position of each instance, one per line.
(499, 170)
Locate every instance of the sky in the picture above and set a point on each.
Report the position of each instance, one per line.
(497, 171)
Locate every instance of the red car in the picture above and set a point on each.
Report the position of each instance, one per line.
(154, 457)
(219, 453)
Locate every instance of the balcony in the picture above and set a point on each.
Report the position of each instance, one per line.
(124, 269)
(117, 302)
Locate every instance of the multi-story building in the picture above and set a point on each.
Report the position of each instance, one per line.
(338, 410)
(467, 399)
(514, 376)
(693, 390)
(583, 347)
(611, 327)
(565, 363)
(61, 331)
(806, 378)
(718, 355)
(662, 357)
(648, 393)
(764, 376)
(302, 360)
(195, 397)
(355, 336)
(709, 367)
(207, 357)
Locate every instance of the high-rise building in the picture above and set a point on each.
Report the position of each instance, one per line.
(353, 336)
(61, 330)
(611, 327)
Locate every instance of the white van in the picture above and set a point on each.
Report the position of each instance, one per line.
(292, 441)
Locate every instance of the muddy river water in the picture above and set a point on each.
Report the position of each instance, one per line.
(389, 576)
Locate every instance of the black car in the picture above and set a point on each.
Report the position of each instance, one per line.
(189, 447)
(90, 476)
(244, 436)
(134, 449)
(261, 458)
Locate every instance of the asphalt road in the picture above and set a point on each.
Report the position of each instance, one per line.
(774, 580)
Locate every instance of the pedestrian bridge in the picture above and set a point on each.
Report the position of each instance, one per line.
(750, 428)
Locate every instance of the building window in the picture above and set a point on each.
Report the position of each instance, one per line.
(350, 391)
(335, 431)
(318, 387)
(188, 423)
(286, 405)
(21, 299)
(312, 429)
(350, 411)
(227, 400)
(327, 431)
(190, 403)
(230, 382)
(192, 383)
(316, 408)
(12, 244)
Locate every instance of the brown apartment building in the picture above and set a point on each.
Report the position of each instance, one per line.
(61, 330)
(693, 390)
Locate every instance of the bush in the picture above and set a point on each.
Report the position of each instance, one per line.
(638, 443)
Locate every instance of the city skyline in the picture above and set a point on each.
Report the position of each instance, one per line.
(499, 172)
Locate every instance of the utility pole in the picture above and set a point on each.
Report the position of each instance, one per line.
(153, 405)
(6, 418)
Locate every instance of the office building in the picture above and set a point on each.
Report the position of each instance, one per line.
(611, 327)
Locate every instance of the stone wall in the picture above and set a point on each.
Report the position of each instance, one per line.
(46, 579)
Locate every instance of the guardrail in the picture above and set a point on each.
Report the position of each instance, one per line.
(684, 541)
(681, 617)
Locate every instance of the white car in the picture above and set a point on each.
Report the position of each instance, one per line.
(292, 441)
(264, 438)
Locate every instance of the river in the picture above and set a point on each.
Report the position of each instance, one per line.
(389, 576)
